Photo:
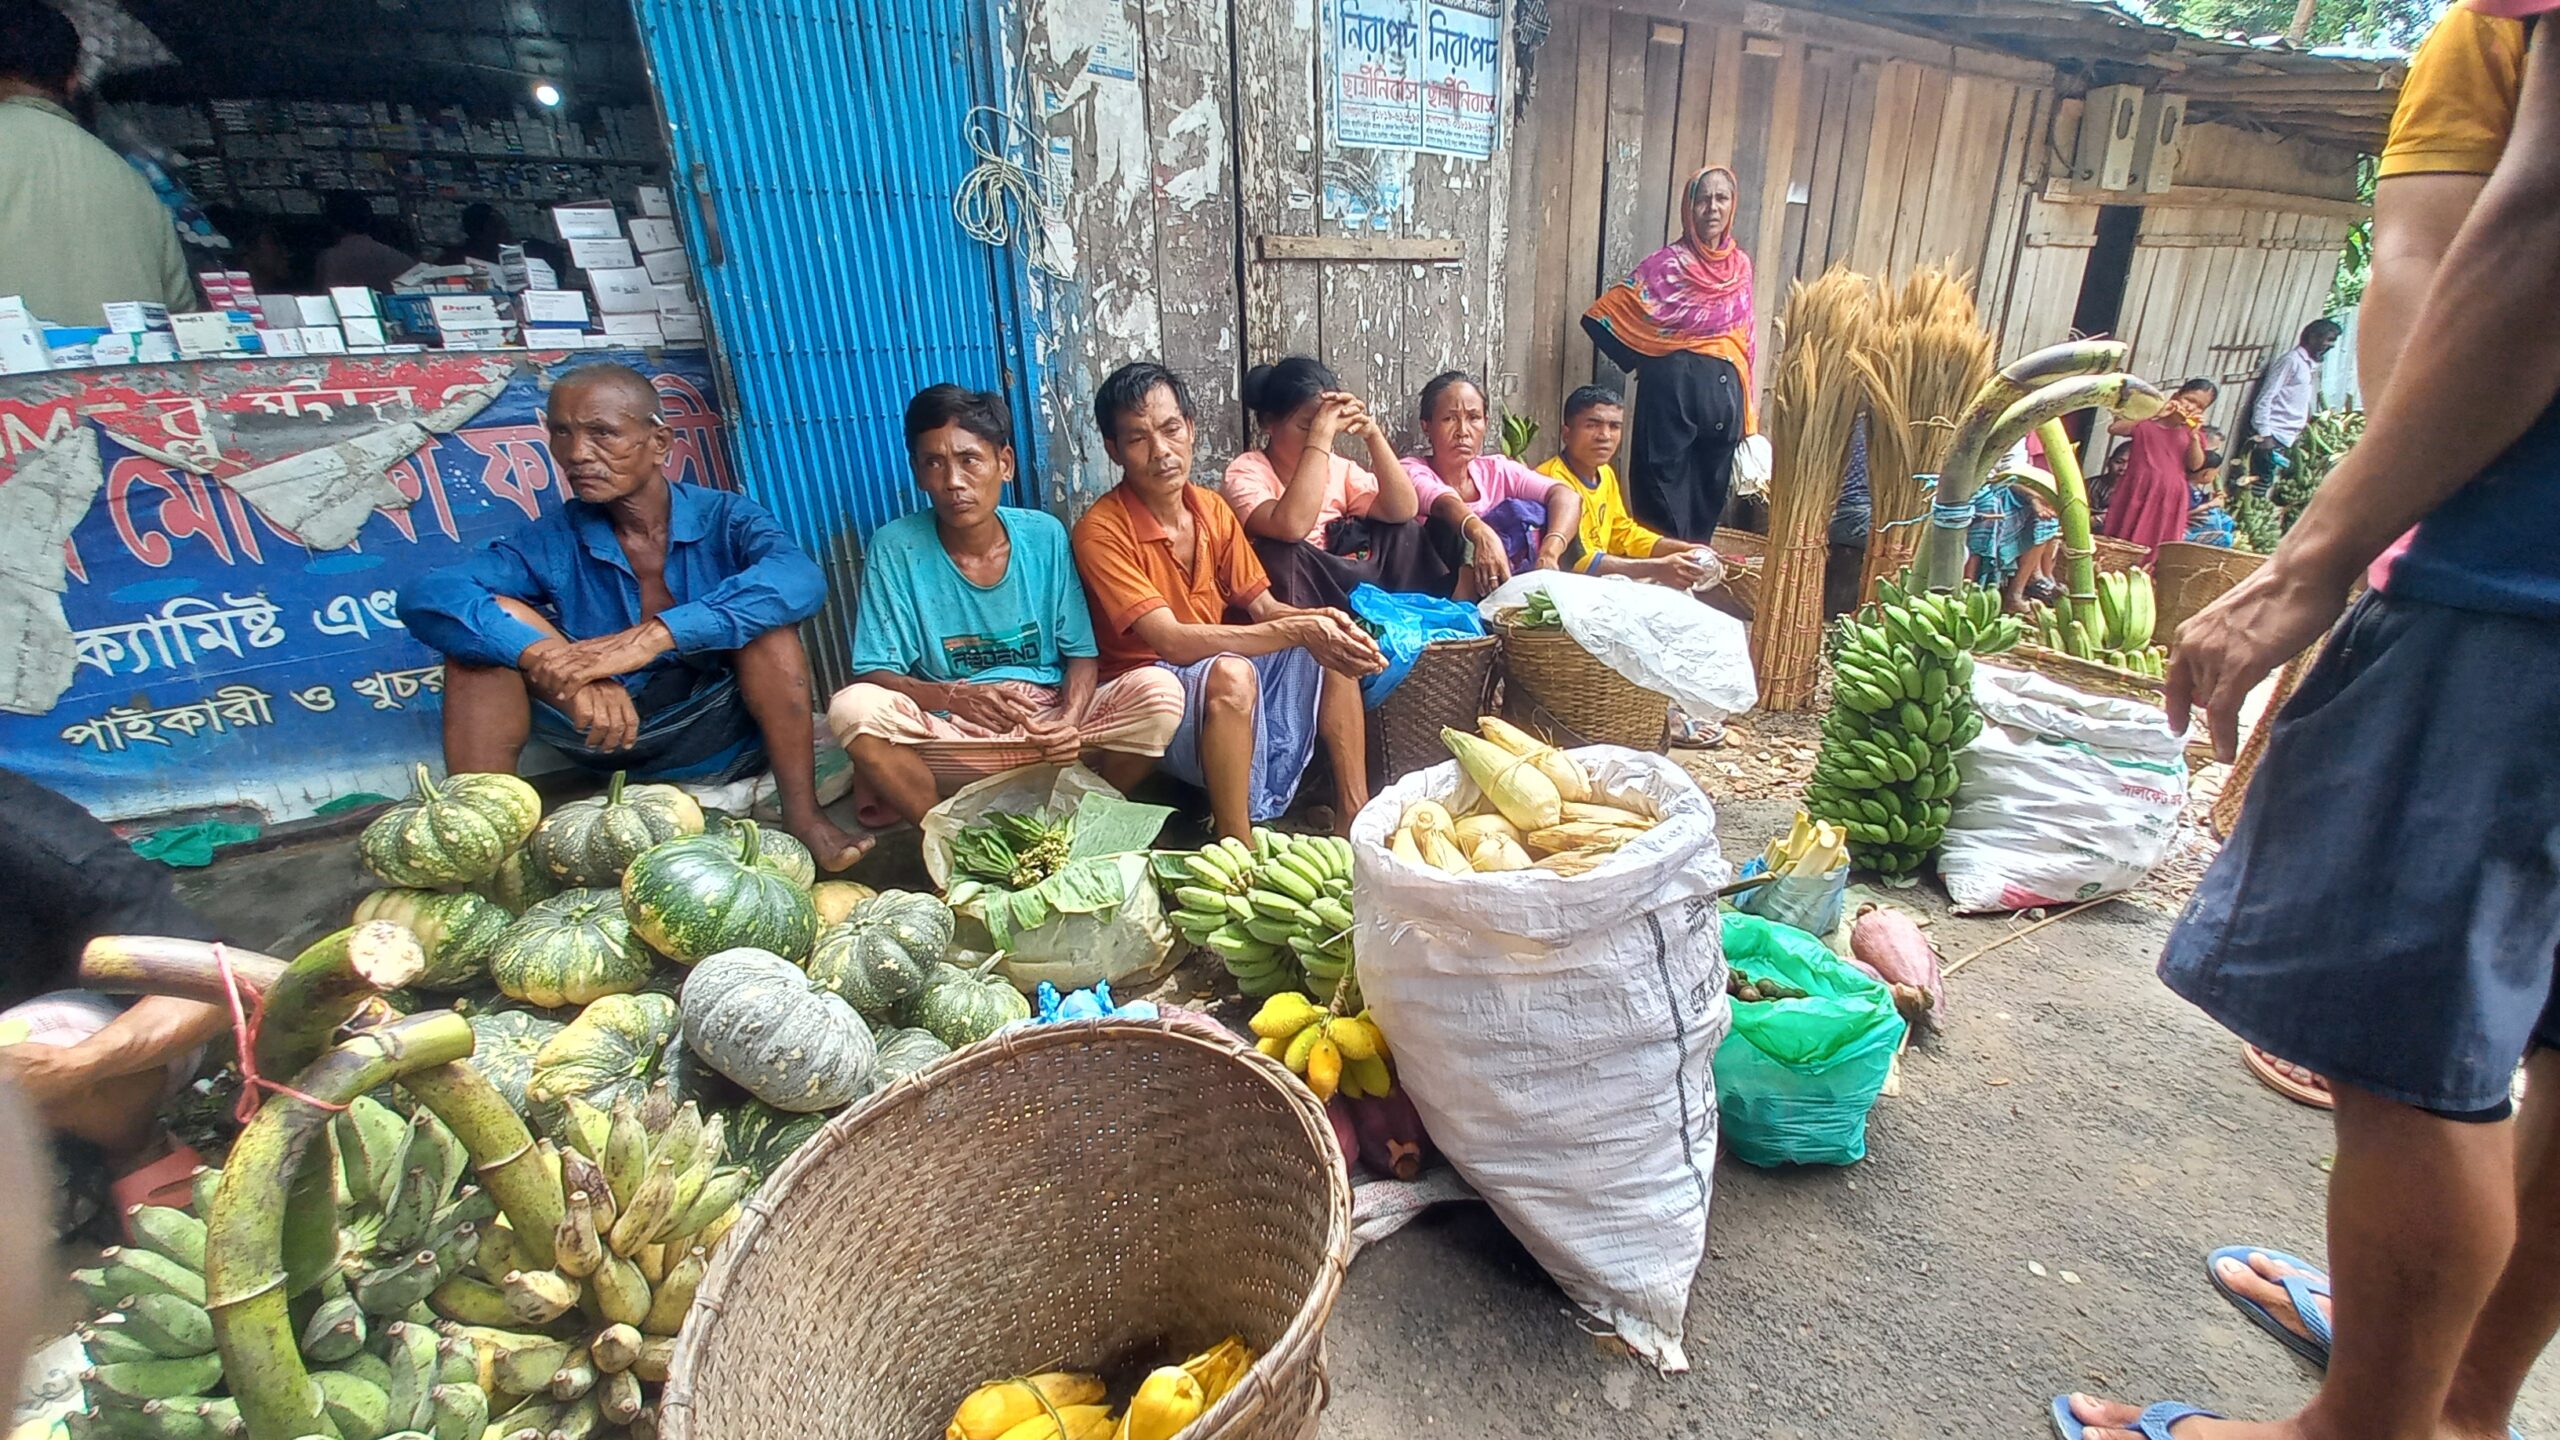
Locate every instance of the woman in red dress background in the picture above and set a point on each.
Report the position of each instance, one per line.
(2151, 501)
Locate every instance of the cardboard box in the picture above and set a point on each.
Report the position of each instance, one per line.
(21, 339)
(676, 299)
(316, 309)
(363, 330)
(475, 337)
(667, 267)
(629, 328)
(117, 347)
(650, 236)
(279, 310)
(681, 329)
(69, 347)
(554, 307)
(213, 332)
(622, 292)
(350, 300)
(603, 253)
(323, 340)
(155, 347)
(586, 222)
(653, 200)
(136, 316)
(280, 342)
(464, 312)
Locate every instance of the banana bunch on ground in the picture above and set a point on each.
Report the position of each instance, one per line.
(405, 1224)
(1070, 1405)
(564, 1350)
(1902, 705)
(2259, 525)
(1331, 1052)
(1276, 912)
(2073, 637)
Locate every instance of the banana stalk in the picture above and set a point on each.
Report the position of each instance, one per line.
(1970, 451)
(2078, 549)
(502, 1151)
(1942, 550)
(244, 1242)
(163, 965)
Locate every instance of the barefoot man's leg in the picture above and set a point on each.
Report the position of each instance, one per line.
(773, 676)
(895, 773)
(488, 714)
(1228, 695)
(2523, 1313)
(1344, 727)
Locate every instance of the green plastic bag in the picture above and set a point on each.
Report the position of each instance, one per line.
(1796, 1078)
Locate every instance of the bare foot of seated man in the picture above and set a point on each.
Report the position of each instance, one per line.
(645, 626)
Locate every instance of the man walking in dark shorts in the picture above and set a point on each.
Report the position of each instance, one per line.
(2388, 911)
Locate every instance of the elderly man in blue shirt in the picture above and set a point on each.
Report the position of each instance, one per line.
(645, 626)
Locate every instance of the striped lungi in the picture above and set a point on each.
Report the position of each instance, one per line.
(1134, 714)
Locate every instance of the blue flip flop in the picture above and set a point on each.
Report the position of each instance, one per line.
(2305, 1287)
(2153, 1424)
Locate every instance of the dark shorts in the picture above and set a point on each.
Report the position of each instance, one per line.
(2387, 912)
(694, 727)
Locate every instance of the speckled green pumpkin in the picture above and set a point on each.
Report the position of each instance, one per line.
(790, 1041)
(701, 894)
(612, 1048)
(591, 842)
(961, 1007)
(903, 1053)
(508, 1041)
(520, 884)
(779, 851)
(572, 949)
(456, 929)
(453, 833)
(761, 1137)
(885, 950)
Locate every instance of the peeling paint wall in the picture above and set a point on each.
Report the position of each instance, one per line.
(1179, 133)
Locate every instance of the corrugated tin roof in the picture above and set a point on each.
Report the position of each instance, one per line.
(2338, 94)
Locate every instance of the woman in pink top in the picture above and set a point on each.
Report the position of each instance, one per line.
(1513, 518)
(1320, 524)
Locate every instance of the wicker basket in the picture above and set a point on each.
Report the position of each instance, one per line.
(1108, 1196)
(1746, 559)
(2189, 577)
(2079, 674)
(1564, 693)
(1449, 685)
(2114, 554)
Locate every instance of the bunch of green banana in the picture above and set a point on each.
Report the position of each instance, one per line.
(1277, 912)
(564, 1349)
(2127, 610)
(405, 1223)
(1902, 705)
(2073, 637)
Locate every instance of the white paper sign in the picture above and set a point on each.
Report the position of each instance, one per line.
(622, 292)
(602, 253)
(586, 222)
(554, 307)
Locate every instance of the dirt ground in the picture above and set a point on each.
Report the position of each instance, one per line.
(2032, 1217)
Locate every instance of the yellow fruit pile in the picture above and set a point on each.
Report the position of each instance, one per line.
(1811, 848)
(1065, 1405)
(1539, 809)
(1331, 1052)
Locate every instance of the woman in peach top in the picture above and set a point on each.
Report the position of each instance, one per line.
(1320, 523)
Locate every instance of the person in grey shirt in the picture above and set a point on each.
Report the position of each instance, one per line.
(79, 227)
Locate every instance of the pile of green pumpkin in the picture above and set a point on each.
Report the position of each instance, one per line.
(633, 937)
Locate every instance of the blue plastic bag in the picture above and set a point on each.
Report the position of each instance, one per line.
(1402, 625)
(1796, 1078)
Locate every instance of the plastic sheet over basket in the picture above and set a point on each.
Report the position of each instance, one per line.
(1558, 1035)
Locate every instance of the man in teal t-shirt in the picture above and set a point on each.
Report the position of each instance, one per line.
(973, 651)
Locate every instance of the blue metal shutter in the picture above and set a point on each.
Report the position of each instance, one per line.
(817, 148)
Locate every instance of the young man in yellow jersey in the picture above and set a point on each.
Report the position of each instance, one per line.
(1611, 541)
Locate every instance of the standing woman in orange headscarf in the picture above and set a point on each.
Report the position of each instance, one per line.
(1682, 324)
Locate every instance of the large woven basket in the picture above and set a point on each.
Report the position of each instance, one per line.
(2114, 554)
(1745, 555)
(1449, 684)
(2082, 674)
(1107, 1196)
(1569, 697)
(2189, 577)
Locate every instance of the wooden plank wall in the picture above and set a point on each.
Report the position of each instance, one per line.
(1846, 153)
(1386, 327)
(2217, 292)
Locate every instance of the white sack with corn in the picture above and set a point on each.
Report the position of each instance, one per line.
(1557, 1030)
(1662, 639)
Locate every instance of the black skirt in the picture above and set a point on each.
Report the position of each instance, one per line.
(1689, 416)
(1417, 557)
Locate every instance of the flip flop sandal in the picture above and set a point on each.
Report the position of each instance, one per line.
(2304, 1288)
(2153, 1424)
(2271, 1074)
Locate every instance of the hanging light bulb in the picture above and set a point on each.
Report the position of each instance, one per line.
(547, 95)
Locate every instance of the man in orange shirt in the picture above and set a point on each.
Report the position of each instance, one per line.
(1169, 570)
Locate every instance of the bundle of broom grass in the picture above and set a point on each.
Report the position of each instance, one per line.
(1826, 375)
(1932, 356)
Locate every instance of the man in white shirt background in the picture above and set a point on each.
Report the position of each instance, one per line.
(2287, 394)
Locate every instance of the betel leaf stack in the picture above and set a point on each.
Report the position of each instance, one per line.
(1902, 706)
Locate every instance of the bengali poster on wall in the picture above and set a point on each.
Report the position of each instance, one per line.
(221, 664)
(1414, 75)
